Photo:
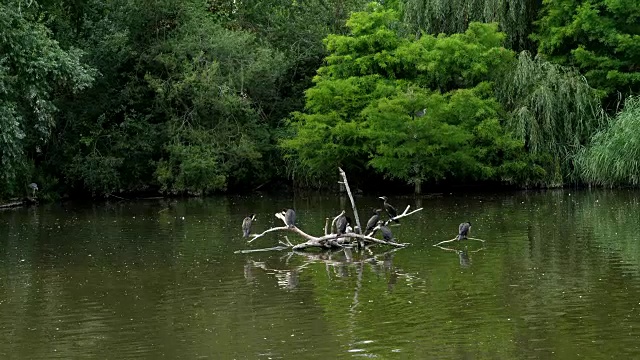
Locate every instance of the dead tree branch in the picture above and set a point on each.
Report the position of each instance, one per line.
(330, 239)
(353, 203)
(456, 239)
(405, 213)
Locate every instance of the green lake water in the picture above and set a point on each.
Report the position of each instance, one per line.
(558, 278)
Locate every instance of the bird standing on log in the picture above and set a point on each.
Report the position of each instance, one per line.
(341, 224)
(289, 217)
(34, 188)
(390, 209)
(387, 235)
(246, 225)
(373, 221)
(463, 231)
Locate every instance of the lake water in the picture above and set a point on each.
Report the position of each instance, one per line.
(558, 278)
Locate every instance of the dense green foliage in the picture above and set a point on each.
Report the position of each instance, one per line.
(600, 38)
(613, 157)
(362, 108)
(552, 109)
(193, 97)
(515, 17)
(33, 68)
(188, 96)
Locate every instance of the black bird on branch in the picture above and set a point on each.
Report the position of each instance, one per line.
(289, 217)
(390, 209)
(246, 225)
(341, 224)
(386, 232)
(373, 221)
(463, 231)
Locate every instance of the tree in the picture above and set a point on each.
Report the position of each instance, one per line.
(362, 109)
(189, 96)
(515, 17)
(600, 38)
(33, 69)
(553, 110)
(212, 80)
(458, 138)
(181, 103)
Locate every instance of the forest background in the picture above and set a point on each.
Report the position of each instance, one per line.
(196, 97)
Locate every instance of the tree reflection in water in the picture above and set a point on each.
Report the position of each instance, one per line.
(338, 264)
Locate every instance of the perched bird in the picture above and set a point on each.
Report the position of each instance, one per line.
(390, 209)
(289, 217)
(373, 221)
(34, 188)
(341, 224)
(246, 225)
(386, 233)
(421, 113)
(463, 231)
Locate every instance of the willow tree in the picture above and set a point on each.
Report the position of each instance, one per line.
(552, 109)
(613, 156)
(600, 38)
(515, 17)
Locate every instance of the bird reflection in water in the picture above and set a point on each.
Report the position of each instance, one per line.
(463, 255)
(248, 271)
(465, 261)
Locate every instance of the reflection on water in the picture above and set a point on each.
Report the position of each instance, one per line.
(463, 254)
(557, 278)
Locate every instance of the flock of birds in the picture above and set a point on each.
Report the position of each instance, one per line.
(343, 223)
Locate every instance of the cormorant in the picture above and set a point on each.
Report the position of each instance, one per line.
(463, 231)
(390, 209)
(341, 224)
(386, 233)
(246, 225)
(34, 188)
(373, 221)
(289, 217)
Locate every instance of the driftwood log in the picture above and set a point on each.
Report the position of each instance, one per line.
(331, 240)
